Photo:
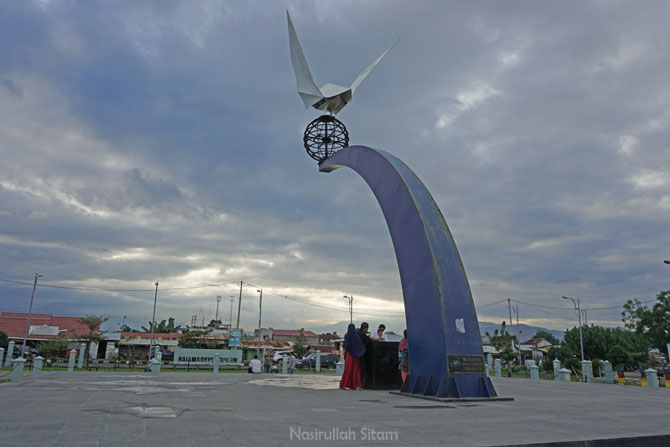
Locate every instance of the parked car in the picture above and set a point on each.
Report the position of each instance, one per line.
(278, 355)
(309, 362)
(30, 352)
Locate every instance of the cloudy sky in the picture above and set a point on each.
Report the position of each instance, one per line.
(162, 141)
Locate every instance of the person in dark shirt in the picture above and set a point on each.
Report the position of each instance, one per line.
(363, 334)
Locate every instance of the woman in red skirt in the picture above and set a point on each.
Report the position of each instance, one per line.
(354, 350)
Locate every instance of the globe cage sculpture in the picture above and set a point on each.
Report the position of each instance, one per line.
(324, 136)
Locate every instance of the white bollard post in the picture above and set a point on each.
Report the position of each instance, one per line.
(317, 366)
(498, 367)
(652, 378)
(82, 353)
(37, 366)
(216, 363)
(17, 372)
(607, 366)
(284, 365)
(155, 365)
(2, 357)
(70, 362)
(10, 354)
(534, 373)
(587, 371)
(557, 366)
(563, 375)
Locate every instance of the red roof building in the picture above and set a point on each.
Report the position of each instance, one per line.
(42, 326)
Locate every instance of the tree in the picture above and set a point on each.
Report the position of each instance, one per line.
(94, 333)
(598, 341)
(547, 336)
(654, 323)
(193, 339)
(164, 327)
(214, 323)
(125, 328)
(4, 340)
(53, 347)
(503, 341)
(619, 356)
(300, 347)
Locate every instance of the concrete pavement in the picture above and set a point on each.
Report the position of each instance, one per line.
(204, 409)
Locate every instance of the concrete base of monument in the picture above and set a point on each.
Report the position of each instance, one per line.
(177, 409)
(452, 399)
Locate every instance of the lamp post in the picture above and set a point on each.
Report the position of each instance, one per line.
(260, 310)
(351, 307)
(30, 312)
(577, 305)
(218, 300)
(153, 323)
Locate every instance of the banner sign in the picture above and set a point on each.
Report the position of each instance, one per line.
(235, 338)
(184, 356)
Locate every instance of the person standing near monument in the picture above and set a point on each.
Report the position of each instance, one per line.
(363, 335)
(268, 362)
(380, 335)
(353, 351)
(403, 353)
(291, 363)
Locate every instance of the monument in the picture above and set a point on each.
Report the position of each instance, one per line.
(446, 359)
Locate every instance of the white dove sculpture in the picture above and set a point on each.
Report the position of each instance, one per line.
(330, 97)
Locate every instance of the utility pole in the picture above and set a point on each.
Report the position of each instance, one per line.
(260, 310)
(578, 308)
(239, 307)
(218, 300)
(153, 323)
(518, 331)
(230, 325)
(509, 307)
(351, 307)
(30, 313)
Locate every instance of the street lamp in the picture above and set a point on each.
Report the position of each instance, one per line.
(577, 305)
(30, 312)
(153, 322)
(260, 310)
(351, 307)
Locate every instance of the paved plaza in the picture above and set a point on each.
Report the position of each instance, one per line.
(204, 409)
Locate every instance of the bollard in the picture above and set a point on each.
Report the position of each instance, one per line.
(563, 375)
(339, 368)
(17, 372)
(10, 354)
(557, 366)
(37, 366)
(534, 372)
(155, 365)
(587, 371)
(70, 362)
(317, 366)
(157, 353)
(82, 353)
(284, 365)
(643, 378)
(607, 366)
(216, 363)
(666, 375)
(652, 378)
(2, 357)
(498, 368)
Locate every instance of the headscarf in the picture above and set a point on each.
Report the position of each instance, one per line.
(353, 343)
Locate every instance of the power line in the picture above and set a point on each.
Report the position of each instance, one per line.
(491, 304)
(96, 289)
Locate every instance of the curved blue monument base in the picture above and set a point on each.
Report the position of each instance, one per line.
(445, 348)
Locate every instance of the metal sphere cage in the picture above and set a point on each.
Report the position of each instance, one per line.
(324, 136)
